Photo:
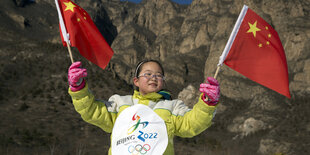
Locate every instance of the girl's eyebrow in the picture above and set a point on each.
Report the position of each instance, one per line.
(152, 71)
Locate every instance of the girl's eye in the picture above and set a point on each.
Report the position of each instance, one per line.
(148, 74)
(159, 75)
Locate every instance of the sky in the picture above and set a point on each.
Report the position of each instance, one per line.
(177, 1)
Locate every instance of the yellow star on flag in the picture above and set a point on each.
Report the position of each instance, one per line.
(253, 28)
(69, 6)
(260, 45)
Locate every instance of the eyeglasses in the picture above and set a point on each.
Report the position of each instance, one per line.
(150, 76)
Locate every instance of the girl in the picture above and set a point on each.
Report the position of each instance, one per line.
(146, 121)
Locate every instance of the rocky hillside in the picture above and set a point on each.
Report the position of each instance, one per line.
(37, 116)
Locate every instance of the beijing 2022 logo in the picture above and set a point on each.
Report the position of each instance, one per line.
(142, 136)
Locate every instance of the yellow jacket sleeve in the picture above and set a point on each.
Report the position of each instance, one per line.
(194, 121)
(93, 111)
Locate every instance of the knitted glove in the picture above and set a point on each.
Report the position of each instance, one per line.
(76, 75)
(211, 91)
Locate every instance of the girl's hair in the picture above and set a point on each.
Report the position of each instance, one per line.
(141, 63)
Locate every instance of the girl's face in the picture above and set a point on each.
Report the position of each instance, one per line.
(150, 79)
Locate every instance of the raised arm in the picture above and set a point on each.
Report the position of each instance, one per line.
(92, 111)
(195, 121)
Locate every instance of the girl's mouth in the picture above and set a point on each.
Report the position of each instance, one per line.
(153, 84)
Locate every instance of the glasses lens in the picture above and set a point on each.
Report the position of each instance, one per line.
(150, 75)
(159, 76)
(147, 75)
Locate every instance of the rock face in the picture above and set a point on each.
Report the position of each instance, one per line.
(187, 39)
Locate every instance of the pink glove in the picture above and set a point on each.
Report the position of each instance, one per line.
(76, 75)
(212, 89)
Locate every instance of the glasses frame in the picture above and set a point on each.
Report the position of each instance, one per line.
(152, 76)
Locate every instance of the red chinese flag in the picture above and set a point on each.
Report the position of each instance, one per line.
(257, 53)
(84, 35)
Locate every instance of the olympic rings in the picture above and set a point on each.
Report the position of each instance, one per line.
(139, 149)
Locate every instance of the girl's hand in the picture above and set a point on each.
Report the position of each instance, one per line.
(211, 91)
(76, 75)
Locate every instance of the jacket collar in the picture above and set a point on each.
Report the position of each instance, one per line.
(155, 97)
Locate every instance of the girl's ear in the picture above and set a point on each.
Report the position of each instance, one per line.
(135, 81)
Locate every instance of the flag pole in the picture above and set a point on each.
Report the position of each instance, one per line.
(63, 30)
(70, 53)
(217, 71)
(230, 40)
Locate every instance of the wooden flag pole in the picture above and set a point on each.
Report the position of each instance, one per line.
(217, 71)
(70, 53)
